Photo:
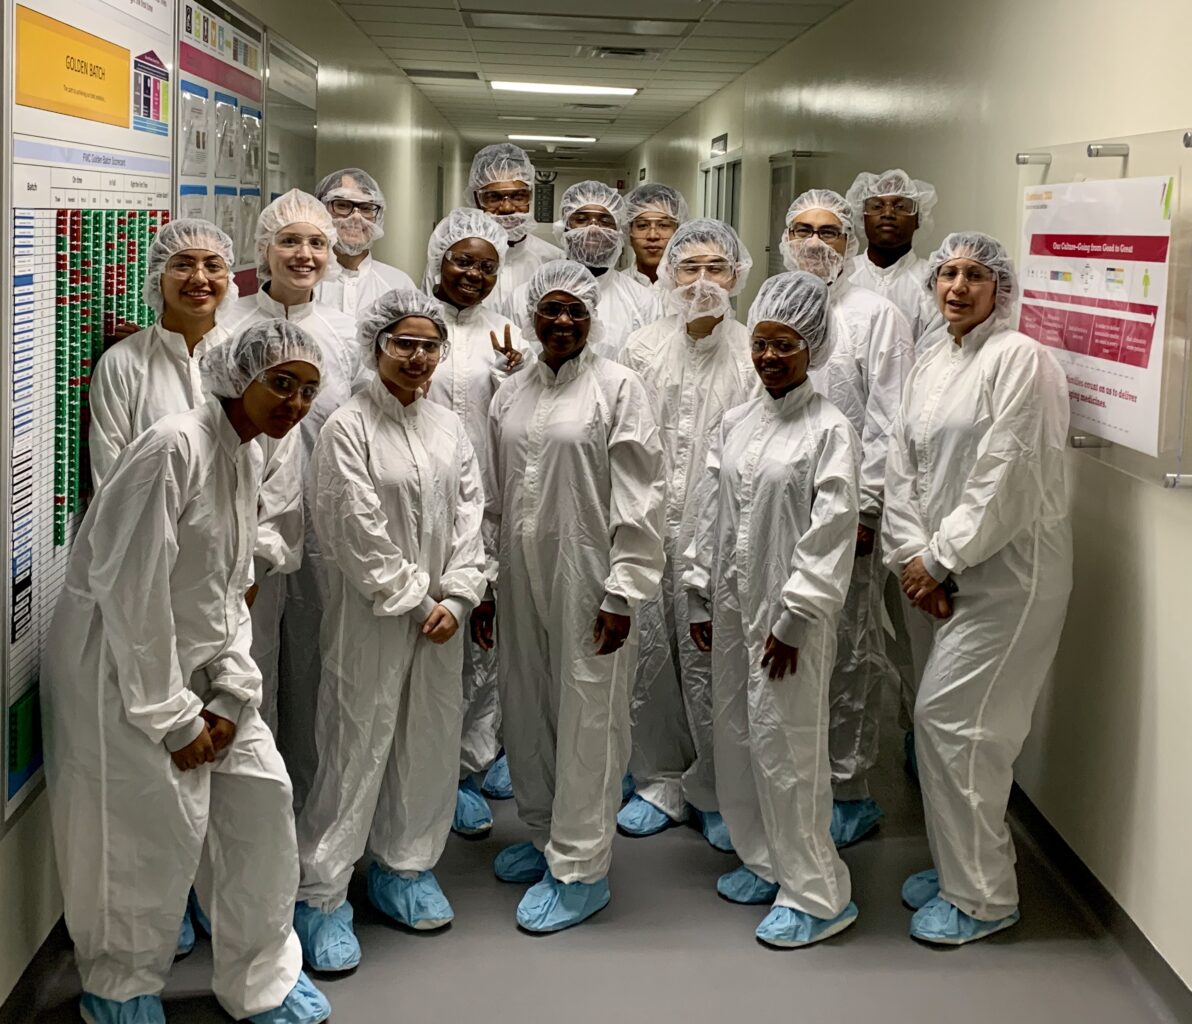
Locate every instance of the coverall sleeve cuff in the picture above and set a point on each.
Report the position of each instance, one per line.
(422, 612)
(872, 521)
(791, 629)
(459, 608)
(615, 604)
(184, 735)
(225, 705)
(934, 568)
(698, 610)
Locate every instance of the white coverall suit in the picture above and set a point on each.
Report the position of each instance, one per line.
(574, 502)
(772, 553)
(901, 283)
(978, 486)
(353, 291)
(150, 628)
(398, 510)
(870, 355)
(693, 383)
(301, 608)
(150, 375)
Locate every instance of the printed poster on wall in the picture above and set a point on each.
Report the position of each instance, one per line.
(1094, 277)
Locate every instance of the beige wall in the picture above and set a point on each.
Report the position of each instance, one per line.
(951, 99)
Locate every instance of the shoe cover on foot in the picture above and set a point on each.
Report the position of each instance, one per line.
(921, 888)
(628, 787)
(746, 886)
(140, 1010)
(186, 936)
(202, 922)
(551, 905)
(945, 924)
(522, 862)
(853, 820)
(641, 818)
(328, 942)
(787, 928)
(472, 814)
(497, 783)
(304, 1005)
(417, 903)
(715, 831)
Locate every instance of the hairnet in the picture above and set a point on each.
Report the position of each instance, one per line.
(294, 207)
(502, 161)
(563, 276)
(892, 183)
(391, 307)
(592, 245)
(800, 301)
(362, 187)
(653, 197)
(178, 236)
(462, 222)
(705, 237)
(228, 369)
(983, 249)
(834, 203)
(592, 193)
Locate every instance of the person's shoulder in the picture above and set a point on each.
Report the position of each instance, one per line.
(653, 337)
(738, 414)
(238, 312)
(542, 248)
(394, 277)
(126, 356)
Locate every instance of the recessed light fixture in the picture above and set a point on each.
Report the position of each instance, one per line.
(515, 117)
(564, 90)
(550, 138)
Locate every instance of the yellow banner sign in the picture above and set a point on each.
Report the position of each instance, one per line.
(68, 71)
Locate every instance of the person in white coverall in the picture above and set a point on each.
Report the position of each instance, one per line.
(160, 769)
(466, 248)
(398, 509)
(769, 566)
(653, 213)
(295, 239)
(574, 500)
(591, 229)
(695, 363)
(976, 525)
(869, 354)
(501, 183)
(892, 207)
(357, 207)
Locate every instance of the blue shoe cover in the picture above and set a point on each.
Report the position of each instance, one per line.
(551, 905)
(417, 903)
(641, 818)
(853, 820)
(789, 928)
(628, 787)
(521, 862)
(140, 1010)
(715, 831)
(745, 886)
(186, 937)
(202, 922)
(304, 1005)
(328, 942)
(921, 888)
(497, 783)
(945, 924)
(472, 814)
(912, 758)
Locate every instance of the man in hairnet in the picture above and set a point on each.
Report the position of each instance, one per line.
(869, 355)
(357, 207)
(695, 363)
(160, 769)
(501, 183)
(653, 212)
(768, 570)
(893, 207)
(590, 226)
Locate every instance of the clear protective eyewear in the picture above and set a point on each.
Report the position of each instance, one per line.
(282, 385)
(827, 233)
(574, 310)
(783, 347)
(347, 207)
(462, 261)
(586, 218)
(901, 205)
(640, 227)
(691, 268)
(404, 346)
(184, 267)
(971, 275)
(292, 243)
(491, 197)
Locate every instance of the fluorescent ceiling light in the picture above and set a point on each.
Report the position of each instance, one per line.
(515, 117)
(550, 138)
(564, 90)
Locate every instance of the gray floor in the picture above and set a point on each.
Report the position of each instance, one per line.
(668, 949)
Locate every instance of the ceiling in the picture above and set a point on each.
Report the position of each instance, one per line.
(693, 49)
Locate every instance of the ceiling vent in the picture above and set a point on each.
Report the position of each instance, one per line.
(618, 53)
(459, 76)
(591, 106)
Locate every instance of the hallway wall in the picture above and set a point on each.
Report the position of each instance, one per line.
(951, 96)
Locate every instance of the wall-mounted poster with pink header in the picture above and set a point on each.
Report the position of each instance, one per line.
(1094, 274)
